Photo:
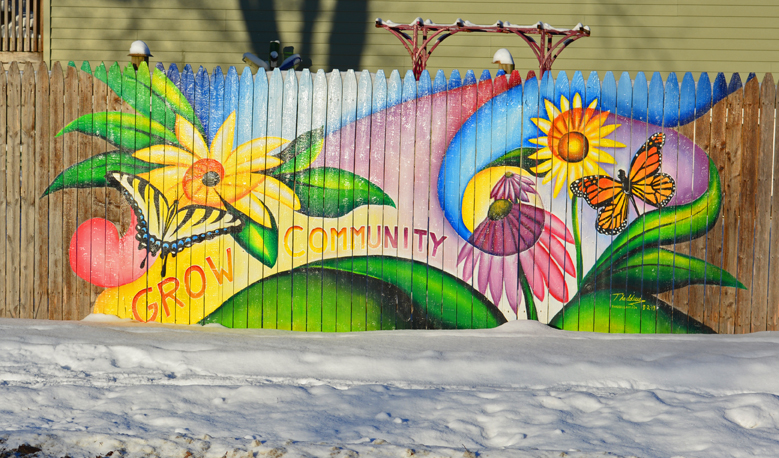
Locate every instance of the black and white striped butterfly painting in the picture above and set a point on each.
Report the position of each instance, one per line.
(165, 228)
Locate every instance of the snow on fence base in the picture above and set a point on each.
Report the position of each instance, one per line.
(352, 201)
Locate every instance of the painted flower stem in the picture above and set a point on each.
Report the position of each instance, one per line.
(530, 305)
(577, 239)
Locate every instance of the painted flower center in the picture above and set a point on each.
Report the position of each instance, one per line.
(211, 178)
(499, 209)
(509, 174)
(573, 147)
(205, 172)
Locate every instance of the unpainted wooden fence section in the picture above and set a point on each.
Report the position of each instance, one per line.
(36, 103)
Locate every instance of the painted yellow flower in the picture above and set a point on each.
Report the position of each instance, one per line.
(197, 174)
(572, 141)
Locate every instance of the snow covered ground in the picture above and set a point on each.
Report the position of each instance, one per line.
(522, 390)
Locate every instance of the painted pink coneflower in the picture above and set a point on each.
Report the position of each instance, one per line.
(517, 233)
(513, 187)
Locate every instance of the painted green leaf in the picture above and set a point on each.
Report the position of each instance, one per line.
(429, 288)
(166, 99)
(261, 242)
(518, 158)
(126, 131)
(667, 225)
(624, 312)
(665, 270)
(390, 293)
(91, 172)
(329, 192)
(301, 152)
(272, 302)
(100, 72)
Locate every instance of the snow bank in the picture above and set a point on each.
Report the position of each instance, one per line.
(522, 389)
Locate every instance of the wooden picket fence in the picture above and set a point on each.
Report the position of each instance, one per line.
(738, 133)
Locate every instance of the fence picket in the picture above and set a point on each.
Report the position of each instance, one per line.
(601, 317)
(217, 114)
(608, 98)
(197, 87)
(376, 175)
(714, 248)
(84, 197)
(4, 118)
(126, 80)
(288, 309)
(435, 252)
(748, 177)
(760, 310)
(452, 243)
(419, 229)
(315, 309)
(697, 293)
(304, 129)
(243, 134)
(467, 144)
(346, 306)
(683, 245)
(391, 187)
(57, 263)
(117, 210)
(42, 170)
(360, 219)
(259, 128)
(27, 195)
(271, 318)
(670, 126)
(731, 200)
(99, 194)
(13, 204)
(625, 92)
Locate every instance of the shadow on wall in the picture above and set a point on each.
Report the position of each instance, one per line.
(346, 39)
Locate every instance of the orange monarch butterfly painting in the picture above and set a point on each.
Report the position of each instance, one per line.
(644, 181)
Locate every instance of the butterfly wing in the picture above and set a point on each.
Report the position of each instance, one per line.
(608, 197)
(597, 190)
(197, 223)
(646, 181)
(613, 217)
(164, 227)
(150, 206)
(648, 158)
(656, 190)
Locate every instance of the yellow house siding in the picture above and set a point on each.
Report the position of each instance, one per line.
(659, 35)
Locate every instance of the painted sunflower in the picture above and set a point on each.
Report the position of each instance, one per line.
(573, 136)
(197, 174)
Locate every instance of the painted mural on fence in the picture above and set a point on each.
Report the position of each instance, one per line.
(349, 202)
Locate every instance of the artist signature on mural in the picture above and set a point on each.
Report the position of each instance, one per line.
(632, 301)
